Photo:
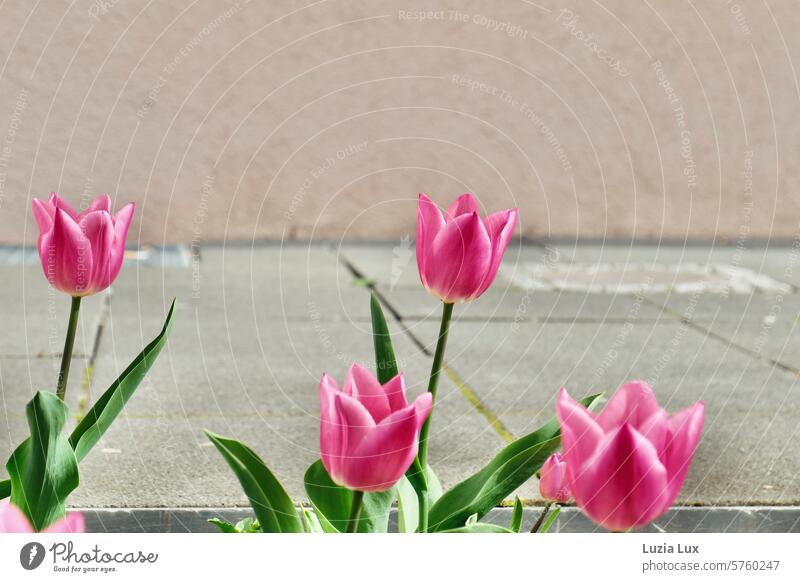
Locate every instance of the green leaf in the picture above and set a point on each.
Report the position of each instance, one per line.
(43, 469)
(550, 520)
(385, 361)
(407, 506)
(434, 485)
(272, 505)
(311, 521)
(247, 525)
(5, 488)
(332, 503)
(479, 528)
(472, 519)
(223, 526)
(514, 465)
(516, 516)
(110, 404)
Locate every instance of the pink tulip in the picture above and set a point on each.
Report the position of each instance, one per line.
(627, 465)
(368, 432)
(81, 253)
(458, 254)
(12, 520)
(553, 484)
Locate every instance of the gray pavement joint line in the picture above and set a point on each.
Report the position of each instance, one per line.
(88, 371)
(468, 393)
(721, 338)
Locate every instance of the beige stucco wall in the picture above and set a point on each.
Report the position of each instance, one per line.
(271, 119)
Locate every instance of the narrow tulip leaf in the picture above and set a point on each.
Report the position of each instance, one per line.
(385, 361)
(110, 404)
(272, 505)
(407, 506)
(332, 503)
(514, 465)
(479, 528)
(424, 483)
(516, 517)
(550, 520)
(311, 521)
(43, 469)
(5, 488)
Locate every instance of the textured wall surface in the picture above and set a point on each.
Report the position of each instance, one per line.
(299, 119)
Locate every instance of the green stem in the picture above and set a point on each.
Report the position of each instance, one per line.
(433, 383)
(422, 525)
(69, 342)
(355, 511)
(542, 515)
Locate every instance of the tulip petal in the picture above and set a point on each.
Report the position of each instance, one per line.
(624, 485)
(395, 390)
(12, 520)
(429, 223)
(464, 204)
(500, 227)
(101, 203)
(386, 453)
(458, 259)
(99, 231)
(73, 522)
(685, 428)
(66, 255)
(362, 385)
(58, 202)
(581, 434)
(43, 212)
(655, 429)
(330, 439)
(423, 405)
(122, 221)
(633, 402)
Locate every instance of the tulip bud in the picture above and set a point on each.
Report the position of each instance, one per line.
(369, 434)
(553, 484)
(458, 254)
(81, 253)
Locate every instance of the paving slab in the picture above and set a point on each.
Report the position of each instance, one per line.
(35, 315)
(780, 261)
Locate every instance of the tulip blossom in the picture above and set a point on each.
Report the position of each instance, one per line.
(81, 253)
(458, 253)
(12, 520)
(368, 432)
(626, 466)
(553, 484)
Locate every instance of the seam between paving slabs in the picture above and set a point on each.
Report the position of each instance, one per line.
(468, 393)
(721, 338)
(716, 336)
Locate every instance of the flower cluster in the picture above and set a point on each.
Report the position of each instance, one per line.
(623, 466)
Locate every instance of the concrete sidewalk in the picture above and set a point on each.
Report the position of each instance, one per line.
(257, 326)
